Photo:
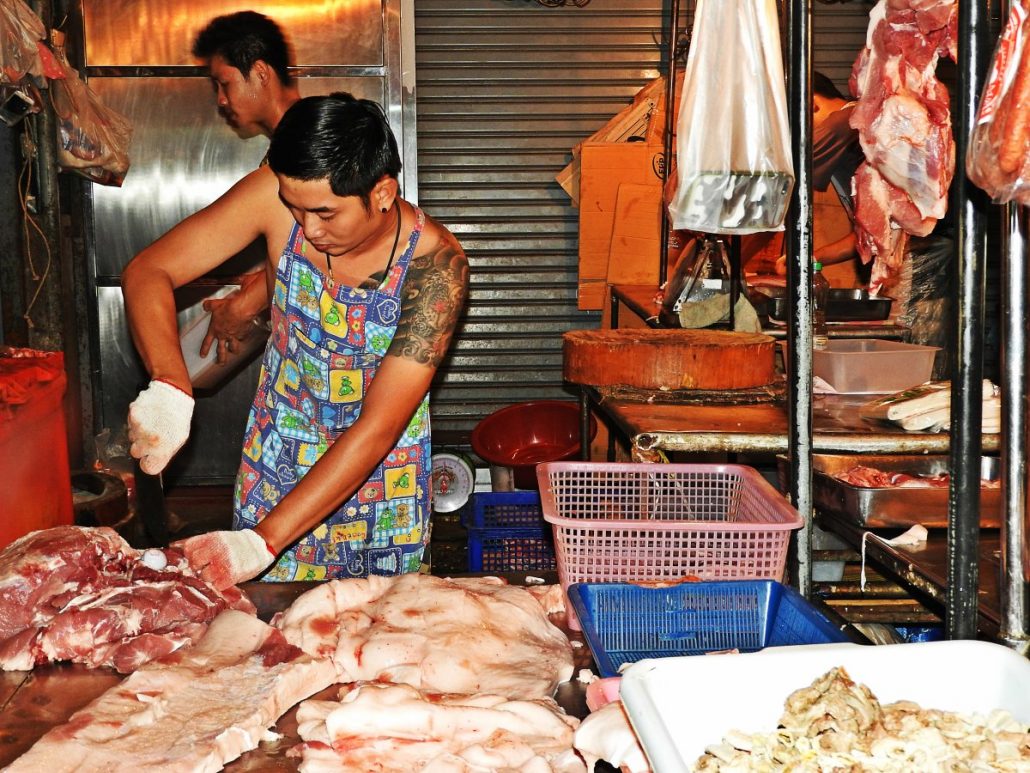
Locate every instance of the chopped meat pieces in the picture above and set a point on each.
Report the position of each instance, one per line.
(871, 477)
(85, 595)
(836, 724)
(469, 636)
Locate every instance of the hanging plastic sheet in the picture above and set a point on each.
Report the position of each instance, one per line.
(999, 148)
(734, 169)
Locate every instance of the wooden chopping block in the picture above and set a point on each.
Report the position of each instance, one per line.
(669, 359)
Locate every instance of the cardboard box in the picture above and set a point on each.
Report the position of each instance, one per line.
(604, 167)
(639, 119)
(635, 249)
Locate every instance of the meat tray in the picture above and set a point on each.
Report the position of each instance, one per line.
(888, 507)
(843, 305)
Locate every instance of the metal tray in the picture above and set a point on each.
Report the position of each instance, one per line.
(842, 306)
(887, 507)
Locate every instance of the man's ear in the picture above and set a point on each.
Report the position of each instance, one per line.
(262, 71)
(384, 192)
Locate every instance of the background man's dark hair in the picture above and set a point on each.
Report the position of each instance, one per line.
(337, 137)
(825, 88)
(243, 38)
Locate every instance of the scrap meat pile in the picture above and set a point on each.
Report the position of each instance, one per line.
(84, 595)
(904, 125)
(836, 724)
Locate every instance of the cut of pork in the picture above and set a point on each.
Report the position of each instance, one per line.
(396, 729)
(195, 710)
(466, 635)
(85, 595)
(608, 735)
(904, 127)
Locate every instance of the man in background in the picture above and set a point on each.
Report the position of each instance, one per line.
(248, 60)
(836, 154)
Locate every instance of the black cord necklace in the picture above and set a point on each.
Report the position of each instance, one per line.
(393, 250)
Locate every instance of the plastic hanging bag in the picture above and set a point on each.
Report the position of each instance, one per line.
(733, 143)
(999, 149)
(21, 31)
(92, 139)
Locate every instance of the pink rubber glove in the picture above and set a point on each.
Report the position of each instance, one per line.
(159, 425)
(227, 558)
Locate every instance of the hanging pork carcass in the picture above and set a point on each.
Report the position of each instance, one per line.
(904, 125)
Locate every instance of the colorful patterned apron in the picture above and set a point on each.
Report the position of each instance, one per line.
(325, 348)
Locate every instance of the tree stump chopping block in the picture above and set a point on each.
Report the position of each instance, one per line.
(669, 359)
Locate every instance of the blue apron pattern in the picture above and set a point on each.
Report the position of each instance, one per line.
(324, 350)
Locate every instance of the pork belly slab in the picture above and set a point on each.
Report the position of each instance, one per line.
(194, 710)
(396, 729)
(466, 635)
(85, 595)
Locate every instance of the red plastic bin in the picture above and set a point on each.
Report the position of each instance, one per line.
(33, 443)
(640, 522)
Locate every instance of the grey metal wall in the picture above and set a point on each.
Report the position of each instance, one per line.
(505, 88)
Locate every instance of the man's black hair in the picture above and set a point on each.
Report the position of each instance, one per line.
(243, 38)
(336, 137)
(825, 87)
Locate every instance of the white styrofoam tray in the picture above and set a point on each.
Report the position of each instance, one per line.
(680, 705)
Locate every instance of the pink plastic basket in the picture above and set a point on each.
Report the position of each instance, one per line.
(641, 522)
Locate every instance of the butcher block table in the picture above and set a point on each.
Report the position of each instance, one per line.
(763, 428)
(33, 702)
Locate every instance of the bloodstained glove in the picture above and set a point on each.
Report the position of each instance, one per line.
(159, 425)
(227, 558)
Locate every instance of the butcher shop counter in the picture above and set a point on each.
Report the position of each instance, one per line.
(31, 703)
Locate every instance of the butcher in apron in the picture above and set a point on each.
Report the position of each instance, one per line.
(367, 291)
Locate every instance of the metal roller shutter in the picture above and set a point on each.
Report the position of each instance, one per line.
(504, 89)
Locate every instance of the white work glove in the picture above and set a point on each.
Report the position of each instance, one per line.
(227, 558)
(159, 424)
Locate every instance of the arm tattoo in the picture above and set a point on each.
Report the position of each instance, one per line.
(431, 302)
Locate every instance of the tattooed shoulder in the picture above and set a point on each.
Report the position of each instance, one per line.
(432, 298)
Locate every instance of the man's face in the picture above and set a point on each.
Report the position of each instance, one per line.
(332, 224)
(242, 101)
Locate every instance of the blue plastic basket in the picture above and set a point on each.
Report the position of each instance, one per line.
(624, 623)
(507, 533)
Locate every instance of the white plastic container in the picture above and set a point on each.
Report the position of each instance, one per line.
(205, 372)
(872, 365)
(680, 705)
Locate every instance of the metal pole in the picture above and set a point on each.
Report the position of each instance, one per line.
(1013, 628)
(799, 280)
(967, 378)
(670, 111)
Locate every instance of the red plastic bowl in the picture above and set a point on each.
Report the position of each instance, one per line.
(523, 435)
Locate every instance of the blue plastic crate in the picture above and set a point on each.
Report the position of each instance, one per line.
(507, 533)
(624, 623)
